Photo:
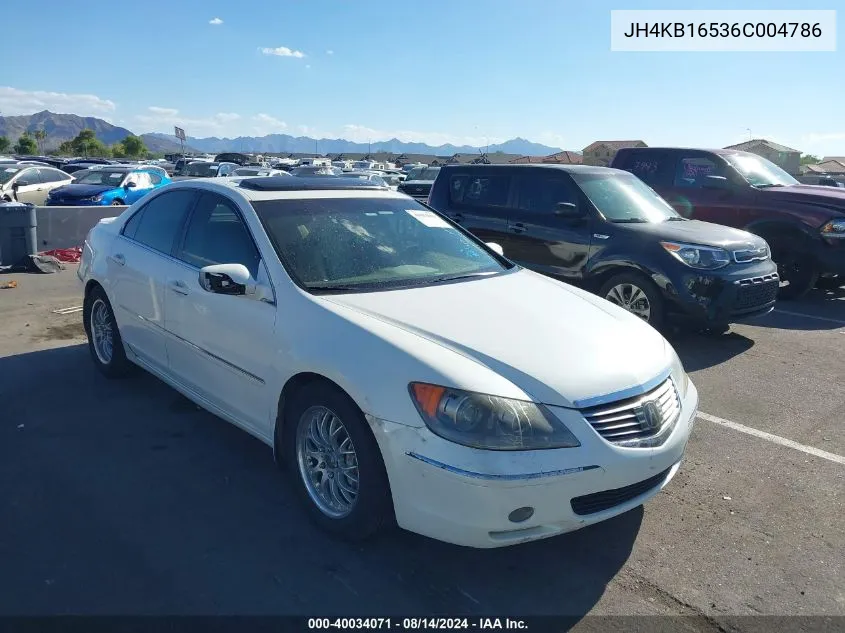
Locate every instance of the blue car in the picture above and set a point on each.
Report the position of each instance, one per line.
(108, 186)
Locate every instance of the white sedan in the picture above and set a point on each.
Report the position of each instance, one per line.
(400, 367)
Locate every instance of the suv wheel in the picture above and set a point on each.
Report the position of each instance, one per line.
(798, 274)
(637, 294)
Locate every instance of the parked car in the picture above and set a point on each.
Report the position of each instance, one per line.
(803, 224)
(393, 180)
(340, 324)
(204, 169)
(26, 183)
(316, 170)
(233, 157)
(607, 231)
(115, 185)
(366, 176)
(419, 181)
(184, 161)
(259, 171)
(72, 167)
(49, 161)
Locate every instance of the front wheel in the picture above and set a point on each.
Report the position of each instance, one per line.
(798, 273)
(636, 294)
(336, 460)
(117, 203)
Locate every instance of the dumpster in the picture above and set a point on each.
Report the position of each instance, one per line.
(17, 232)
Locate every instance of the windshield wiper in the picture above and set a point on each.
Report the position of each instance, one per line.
(768, 185)
(676, 218)
(444, 278)
(630, 221)
(332, 288)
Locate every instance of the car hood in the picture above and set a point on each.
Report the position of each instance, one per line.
(809, 194)
(559, 344)
(80, 191)
(697, 232)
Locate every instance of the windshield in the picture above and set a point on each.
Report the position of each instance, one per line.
(101, 177)
(352, 244)
(758, 171)
(624, 198)
(203, 170)
(7, 173)
(424, 173)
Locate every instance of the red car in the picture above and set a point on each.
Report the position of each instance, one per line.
(804, 225)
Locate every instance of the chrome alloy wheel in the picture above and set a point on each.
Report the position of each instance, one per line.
(101, 331)
(632, 298)
(327, 462)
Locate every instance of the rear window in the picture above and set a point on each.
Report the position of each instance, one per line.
(479, 191)
(650, 167)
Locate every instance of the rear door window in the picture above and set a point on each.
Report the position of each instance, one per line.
(539, 194)
(470, 190)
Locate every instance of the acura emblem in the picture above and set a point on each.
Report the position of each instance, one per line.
(648, 415)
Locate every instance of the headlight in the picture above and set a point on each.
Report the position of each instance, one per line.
(679, 376)
(96, 198)
(834, 228)
(695, 256)
(489, 422)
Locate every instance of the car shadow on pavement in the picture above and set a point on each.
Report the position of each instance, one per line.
(122, 497)
(700, 351)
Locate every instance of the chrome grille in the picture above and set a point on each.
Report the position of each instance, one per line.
(752, 254)
(636, 418)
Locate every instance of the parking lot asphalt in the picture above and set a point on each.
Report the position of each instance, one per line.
(122, 497)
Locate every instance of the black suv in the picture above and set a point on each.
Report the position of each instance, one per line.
(608, 231)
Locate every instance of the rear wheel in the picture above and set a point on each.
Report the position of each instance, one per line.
(797, 271)
(336, 460)
(638, 295)
(104, 340)
(117, 203)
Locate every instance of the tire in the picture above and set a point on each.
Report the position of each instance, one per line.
(99, 321)
(371, 509)
(623, 287)
(117, 203)
(830, 282)
(798, 274)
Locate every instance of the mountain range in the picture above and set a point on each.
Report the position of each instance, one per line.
(63, 127)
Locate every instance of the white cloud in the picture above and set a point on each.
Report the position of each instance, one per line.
(282, 51)
(158, 119)
(267, 124)
(14, 101)
(364, 134)
(215, 21)
(163, 111)
(329, 52)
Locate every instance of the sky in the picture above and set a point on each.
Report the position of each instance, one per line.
(470, 72)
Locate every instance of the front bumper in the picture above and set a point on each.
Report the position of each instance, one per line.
(735, 293)
(831, 257)
(51, 202)
(463, 495)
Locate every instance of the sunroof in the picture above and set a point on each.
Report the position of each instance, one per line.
(301, 183)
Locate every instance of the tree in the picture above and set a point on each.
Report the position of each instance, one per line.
(809, 159)
(25, 145)
(66, 148)
(133, 146)
(4, 144)
(40, 135)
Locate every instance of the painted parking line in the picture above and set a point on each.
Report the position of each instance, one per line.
(777, 439)
(810, 316)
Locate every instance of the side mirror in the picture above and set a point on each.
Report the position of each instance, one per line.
(130, 185)
(569, 210)
(496, 248)
(226, 279)
(716, 182)
(233, 279)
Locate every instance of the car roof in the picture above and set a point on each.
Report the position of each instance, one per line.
(572, 169)
(287, 187)
(720, 151)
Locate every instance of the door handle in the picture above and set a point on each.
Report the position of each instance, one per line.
(519, 227)
(118, 259)
(178, 287)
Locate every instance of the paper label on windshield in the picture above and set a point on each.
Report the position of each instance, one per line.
(428, 218)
